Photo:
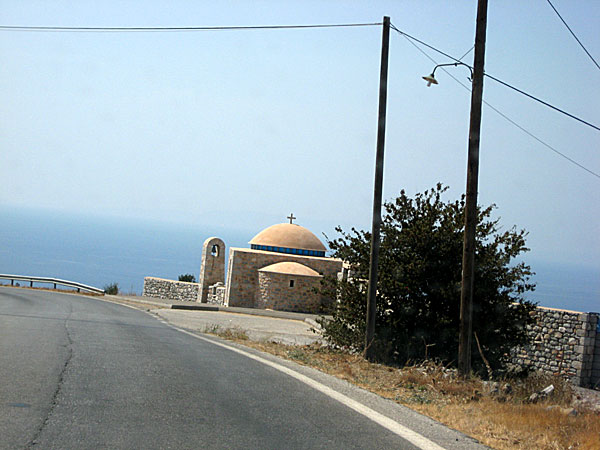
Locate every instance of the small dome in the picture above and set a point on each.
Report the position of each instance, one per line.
(290, 268)
(288, 235)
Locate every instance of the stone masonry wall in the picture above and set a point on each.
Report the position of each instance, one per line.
(275, 292)
(242, 273)
(563, 343)
(595, 376)
(170, 289)
(216, 294)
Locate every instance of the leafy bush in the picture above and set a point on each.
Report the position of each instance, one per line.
(418, 291)
(111, 289)
(187, 277)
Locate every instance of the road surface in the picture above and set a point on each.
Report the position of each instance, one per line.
(78, 372)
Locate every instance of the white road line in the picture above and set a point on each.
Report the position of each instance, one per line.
(405, 433)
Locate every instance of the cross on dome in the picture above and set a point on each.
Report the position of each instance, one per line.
(291, 217)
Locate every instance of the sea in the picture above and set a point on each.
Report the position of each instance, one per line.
(99, 251)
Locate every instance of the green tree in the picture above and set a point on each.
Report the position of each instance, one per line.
(418, 292)
(187, 277)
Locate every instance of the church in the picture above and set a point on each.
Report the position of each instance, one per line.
(281, 270)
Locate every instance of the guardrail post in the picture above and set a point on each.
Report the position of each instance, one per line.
(54, 285)
(12, 282)
(31, 283)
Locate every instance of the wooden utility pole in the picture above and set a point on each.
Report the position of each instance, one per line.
(377, 193)
(468, 261)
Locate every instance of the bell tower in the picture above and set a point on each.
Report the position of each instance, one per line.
(212, 268)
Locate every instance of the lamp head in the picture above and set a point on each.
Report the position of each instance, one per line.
(430, 80)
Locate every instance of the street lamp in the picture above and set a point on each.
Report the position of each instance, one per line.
(431, 78)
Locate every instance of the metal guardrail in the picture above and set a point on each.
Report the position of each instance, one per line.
(54, 281)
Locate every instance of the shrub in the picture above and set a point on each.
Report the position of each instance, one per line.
(111, 289)
(418, 290)
(188, 277)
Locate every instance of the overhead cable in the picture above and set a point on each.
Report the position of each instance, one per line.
(576, 38)
(469, 51)
(542, 102)
(504, 116)
(181, 29)
(498, 80)
(339, 25)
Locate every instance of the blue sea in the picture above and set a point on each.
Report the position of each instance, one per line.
(98, 251)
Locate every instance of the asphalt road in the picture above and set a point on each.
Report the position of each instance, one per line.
(78, 372)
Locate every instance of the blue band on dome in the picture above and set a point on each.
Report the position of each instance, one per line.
(293, 251)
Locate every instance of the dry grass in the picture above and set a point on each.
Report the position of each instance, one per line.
(518, 426)
(232, 334)
(501, 420)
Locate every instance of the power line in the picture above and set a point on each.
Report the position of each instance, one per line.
(180, 29)
(468, 51)
(576, 38)
(499, 81)
(542, 102)
(338, 25)
(267, 27)
(393, 27)
(504, 116)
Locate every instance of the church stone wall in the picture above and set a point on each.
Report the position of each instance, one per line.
(275, 292)
(563, 343)
(242, 274)
(170, 289)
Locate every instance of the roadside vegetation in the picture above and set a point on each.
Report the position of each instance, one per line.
(419, 285)
(111, 289)
(232, 334)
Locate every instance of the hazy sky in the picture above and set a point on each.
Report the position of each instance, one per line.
(241, 128)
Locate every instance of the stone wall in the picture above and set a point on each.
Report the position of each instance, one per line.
(242, 273)
(170, 289)
(216, 294)
(595, 378)
(286, 292)
(564, 343)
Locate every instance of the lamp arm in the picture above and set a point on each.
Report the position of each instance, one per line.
(457, 63)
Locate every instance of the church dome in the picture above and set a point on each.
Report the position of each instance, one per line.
(290, 268)
(288, 238)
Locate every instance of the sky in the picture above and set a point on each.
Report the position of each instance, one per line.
(240, 128)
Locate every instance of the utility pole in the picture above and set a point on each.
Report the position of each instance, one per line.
(468, 261)
(377, 191)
